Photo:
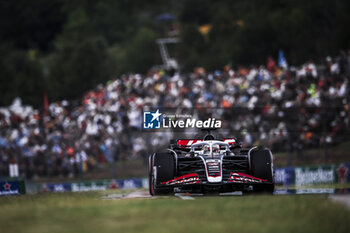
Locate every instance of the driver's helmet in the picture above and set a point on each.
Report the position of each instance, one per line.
(206, 149)
(216, 150)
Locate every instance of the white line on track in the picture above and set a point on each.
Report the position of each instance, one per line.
(344, 199)
(184, 196)
(132, 195)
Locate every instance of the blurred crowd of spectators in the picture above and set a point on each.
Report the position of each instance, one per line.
(284, 108)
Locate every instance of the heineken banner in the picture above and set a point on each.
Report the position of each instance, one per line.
(12, 187)
(57, 187)
(285, 176)
(92, 185)
(313, 175)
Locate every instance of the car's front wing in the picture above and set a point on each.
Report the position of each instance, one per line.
(234, 177)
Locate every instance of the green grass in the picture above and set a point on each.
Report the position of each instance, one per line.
(86, 212)
(336, 154)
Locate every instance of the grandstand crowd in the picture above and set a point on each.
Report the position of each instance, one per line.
(284, 108)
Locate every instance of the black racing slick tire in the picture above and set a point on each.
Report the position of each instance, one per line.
(161, 169)
(261, 166)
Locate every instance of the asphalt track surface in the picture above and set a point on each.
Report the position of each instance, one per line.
(337, 195)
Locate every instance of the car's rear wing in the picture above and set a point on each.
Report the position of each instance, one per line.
(187, 143)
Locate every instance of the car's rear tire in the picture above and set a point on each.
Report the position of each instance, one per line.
(261, 166)
(161, 169)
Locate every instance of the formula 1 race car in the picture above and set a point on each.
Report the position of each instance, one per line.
(208, 165)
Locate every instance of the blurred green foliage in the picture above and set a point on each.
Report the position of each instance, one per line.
(66, 47)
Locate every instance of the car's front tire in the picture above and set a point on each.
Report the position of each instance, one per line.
(261, 166)
(161, 169)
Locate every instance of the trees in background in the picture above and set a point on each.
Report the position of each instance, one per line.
(246, 32)
(67, 47)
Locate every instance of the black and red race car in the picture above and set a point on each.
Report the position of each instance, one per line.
(208, 165)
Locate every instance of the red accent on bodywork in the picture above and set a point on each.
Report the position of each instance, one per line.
(187, 142)
(248, 176)
(230, 141)
(181, 177)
